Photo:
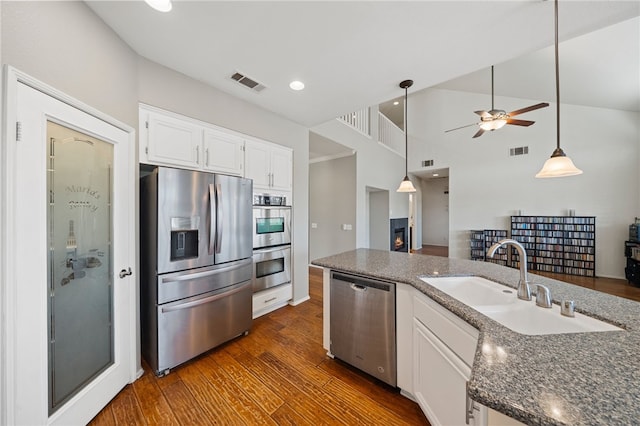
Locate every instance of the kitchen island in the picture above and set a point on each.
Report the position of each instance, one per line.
(557, 379)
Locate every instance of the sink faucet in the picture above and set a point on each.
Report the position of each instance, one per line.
(524, 291)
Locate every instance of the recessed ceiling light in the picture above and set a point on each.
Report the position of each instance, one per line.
(296, 85)
(160, 5)
(396, 103)
(436, 175)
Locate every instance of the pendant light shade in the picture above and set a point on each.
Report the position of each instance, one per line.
(559, 165)
(406, 185)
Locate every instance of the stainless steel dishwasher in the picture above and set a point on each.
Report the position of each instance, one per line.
(363, 324)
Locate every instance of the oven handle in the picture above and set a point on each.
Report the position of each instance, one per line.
(211, 218)
(272, 249)
(204, 301)
(196, 275)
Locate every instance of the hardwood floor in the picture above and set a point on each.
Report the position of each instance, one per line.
(278, 374)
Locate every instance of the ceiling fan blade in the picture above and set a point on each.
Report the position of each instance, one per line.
(520, 122)
(461, 127)
(479, 133)
(529, 108)
(483, 114)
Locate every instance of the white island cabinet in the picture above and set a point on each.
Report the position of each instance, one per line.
(435, 355)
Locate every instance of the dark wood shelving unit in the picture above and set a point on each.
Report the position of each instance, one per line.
(481, 240)
(560, 244)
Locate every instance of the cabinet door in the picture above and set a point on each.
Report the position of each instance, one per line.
(173, 142)
(281, 169)
(440, 379)
(257, 162)
(223, 153)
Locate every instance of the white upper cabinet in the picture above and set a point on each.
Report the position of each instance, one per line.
(174, 140)
(223, 152)
(269, 165)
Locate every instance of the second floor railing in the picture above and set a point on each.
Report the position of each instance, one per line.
(359, 120)
(390, 135)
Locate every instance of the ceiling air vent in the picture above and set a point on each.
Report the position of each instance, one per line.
(427, 163)
(521, 150)
(248, 82)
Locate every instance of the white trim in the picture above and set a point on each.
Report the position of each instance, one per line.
(333, 157)
(299, 301)
(7, 293)
(8, 334)
(391, 149)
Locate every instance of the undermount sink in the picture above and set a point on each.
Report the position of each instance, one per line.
(501, 304)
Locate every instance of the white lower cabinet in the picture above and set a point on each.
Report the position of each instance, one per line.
(440, 374)
(269, 300)
(440, 380)
(442, 350)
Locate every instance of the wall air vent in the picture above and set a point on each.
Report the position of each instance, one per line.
(427, 163)
(248, 82)
(521, 150)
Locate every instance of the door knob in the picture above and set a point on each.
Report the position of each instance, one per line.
(125, 272)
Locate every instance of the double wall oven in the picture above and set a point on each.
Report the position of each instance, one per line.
(271, 242)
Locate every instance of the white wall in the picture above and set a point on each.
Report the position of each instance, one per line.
(487, 186)
(435, 211)
(332, 203)
(376, 167)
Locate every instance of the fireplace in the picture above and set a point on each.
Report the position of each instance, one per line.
(399, 235)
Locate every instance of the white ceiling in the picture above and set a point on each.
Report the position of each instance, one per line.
(353, 54)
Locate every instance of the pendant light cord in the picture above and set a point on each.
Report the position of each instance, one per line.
(557, 80)
(406, 136)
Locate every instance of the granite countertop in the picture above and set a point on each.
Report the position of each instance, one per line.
(560, 379)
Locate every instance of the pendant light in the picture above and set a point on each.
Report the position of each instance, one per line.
(406, 185)
(559, 165)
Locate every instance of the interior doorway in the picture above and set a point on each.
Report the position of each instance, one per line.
(378, 218)
(435, 213)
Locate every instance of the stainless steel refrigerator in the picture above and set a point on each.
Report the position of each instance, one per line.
(196, 267)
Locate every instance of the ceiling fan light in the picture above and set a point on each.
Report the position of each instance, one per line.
(493, 124)
(559, 165)
(160, 5)
(406, 185)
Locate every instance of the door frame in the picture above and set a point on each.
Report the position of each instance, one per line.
(8, 196)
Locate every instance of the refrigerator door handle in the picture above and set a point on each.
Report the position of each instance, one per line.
(219, 218)
(212, 218)
(202, 301)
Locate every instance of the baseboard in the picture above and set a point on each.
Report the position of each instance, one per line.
(297, 302)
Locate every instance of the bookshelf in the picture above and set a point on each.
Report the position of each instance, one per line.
(560, 244)
(481, 240)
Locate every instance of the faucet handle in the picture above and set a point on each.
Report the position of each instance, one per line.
(567, 308)
(543, 296)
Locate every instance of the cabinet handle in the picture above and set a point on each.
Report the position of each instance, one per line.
(270, 300)
(469, 407)
(197, 155)
(206, 157)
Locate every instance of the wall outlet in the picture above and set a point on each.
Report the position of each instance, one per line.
(314, 225)
(346, 227)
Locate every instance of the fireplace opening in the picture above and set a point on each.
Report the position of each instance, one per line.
(399, 235)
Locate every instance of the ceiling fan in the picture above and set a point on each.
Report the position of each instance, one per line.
(497, 118)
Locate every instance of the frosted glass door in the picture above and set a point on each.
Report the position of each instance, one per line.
(80, 278)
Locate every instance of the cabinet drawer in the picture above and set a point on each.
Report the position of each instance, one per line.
(459, 336)
(268, 300)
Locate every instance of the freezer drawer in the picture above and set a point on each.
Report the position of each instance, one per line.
(363, 324)
(189, 327)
